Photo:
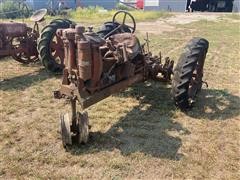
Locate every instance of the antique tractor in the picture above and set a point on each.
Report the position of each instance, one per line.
(100, 64)
(20, 41)
(27, 45)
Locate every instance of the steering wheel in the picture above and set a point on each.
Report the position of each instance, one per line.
(122, 25)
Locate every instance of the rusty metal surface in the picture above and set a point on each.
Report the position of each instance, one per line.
(130, 41)
(13, 29)
(98, 96)
(19, 41)
(94, 70)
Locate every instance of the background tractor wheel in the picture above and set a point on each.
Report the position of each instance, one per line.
(188, 73)
(50, 47)
(28, 44)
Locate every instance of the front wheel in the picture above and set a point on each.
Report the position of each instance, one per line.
(188, 74)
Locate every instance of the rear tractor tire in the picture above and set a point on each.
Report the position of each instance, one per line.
(188, 73)
(50, 47)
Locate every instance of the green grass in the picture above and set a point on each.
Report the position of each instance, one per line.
(98, 15)
(136, 134)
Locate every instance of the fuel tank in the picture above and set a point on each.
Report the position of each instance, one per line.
(13, 29)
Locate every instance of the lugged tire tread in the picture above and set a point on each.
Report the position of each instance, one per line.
(44, 43)
(184, 69)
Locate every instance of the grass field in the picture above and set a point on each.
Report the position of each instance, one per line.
(97, 15)
(136, 134)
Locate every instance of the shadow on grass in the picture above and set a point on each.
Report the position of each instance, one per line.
(146, 128)
(25, 81)
(213, 104)
(150, 127)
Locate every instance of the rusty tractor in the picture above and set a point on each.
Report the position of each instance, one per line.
(96, 65)
(27, 45)
(20, 41)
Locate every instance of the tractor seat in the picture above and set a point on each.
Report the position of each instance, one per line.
(133, 46)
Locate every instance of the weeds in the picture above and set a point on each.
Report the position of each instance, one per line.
(98, 15)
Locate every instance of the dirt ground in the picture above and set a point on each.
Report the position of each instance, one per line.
(169, 24)
(138, 133)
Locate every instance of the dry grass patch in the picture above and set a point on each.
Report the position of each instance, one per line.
(137, 133)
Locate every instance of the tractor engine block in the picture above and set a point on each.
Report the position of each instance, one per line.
(95, 67)
(94, 63)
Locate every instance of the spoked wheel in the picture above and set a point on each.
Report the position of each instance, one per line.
(74, 128)
(25, 50)
(57, 51)
(120, 19)
(50, 47)
(125, 15)
(188, 74)
(24, 58)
